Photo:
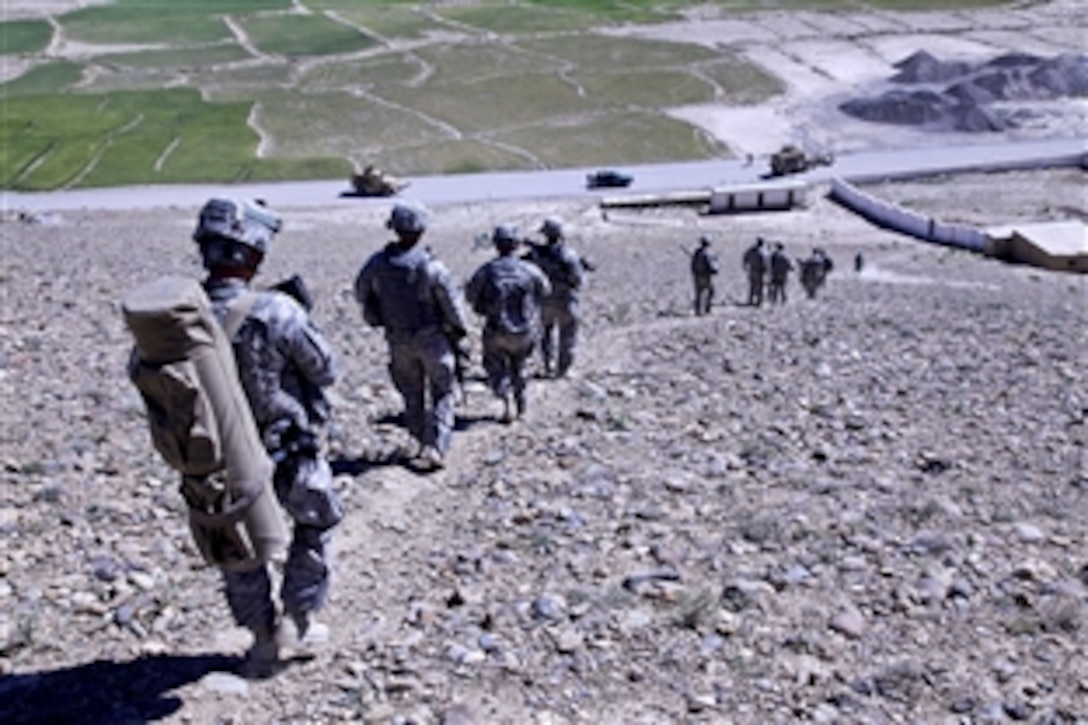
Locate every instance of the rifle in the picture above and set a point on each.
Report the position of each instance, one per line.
(462, 356)
(295, 287)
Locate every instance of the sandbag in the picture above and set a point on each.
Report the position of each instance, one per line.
(201, 423)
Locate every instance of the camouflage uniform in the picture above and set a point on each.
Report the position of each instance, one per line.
(755, 264)
(814, 271)
(279, 354)
(507, 291)
(559, 310)
(781, 266)
(703, 268)
(275, 348)
(410, 294)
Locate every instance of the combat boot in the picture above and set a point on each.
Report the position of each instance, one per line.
(430, 459)
(262, 659)
(507, 410)
(309, 633)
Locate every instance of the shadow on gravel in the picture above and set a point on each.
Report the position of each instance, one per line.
(105, 691)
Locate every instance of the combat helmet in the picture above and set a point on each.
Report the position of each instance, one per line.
(246, 222)
(552, 228)
(505, 237)
(407, 218)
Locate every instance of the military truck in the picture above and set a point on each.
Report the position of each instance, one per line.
(375, 182)
(792, 160)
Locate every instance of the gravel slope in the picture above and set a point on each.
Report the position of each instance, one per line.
(867, 507)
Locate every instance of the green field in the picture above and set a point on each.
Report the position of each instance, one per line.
(24, 36)
(166, 91)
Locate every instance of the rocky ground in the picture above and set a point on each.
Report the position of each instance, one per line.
(867, 507)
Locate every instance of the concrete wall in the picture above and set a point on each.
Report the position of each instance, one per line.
(890, 216)
(755, 198)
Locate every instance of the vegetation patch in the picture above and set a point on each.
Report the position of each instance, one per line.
(24, 36)
(510, 101)
(242, 80)
(648, 88)
(323, 124)
(480, 62)
(175, 24)
(322, 167)
(621, 137)
(455, 156)
(123, 138)
(603, 52)
(111, 80)
(591, 12)
(178, 58)
(364, 73)
(522, 18)
(389, 20)
(296, 36)
(740, 82)
(48, 78)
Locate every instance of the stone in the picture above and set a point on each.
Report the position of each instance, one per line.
(849, 622)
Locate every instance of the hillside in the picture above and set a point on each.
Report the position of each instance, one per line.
(866, 507)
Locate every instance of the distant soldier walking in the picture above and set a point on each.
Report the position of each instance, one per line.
(410, 294)
(814, 271)
(508, 292)
(704, 266)
(559, 312)
(781, 266)
(755, 264)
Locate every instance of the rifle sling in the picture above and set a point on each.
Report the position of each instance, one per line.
(237, 313)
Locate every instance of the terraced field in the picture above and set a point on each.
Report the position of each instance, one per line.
(137, 92)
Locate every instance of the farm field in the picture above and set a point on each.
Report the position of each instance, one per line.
(269, 89)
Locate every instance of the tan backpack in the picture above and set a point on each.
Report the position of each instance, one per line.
(201, 424)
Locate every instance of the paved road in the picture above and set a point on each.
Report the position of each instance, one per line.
(570, 183)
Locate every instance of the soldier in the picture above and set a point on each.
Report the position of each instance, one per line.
(781, 266)
(276, 347)
(564, 268)
(814, 271)
(755, 264)
(508, 292)
(410, 294)
(704, 265)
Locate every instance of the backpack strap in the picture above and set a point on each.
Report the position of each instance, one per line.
(238, 312)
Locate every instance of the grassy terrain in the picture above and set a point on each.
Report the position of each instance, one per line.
(177, 58)
(141, 137)
(24, 36)
(164, 91)
(601, 139)
(296, 36)
(387, 19)
(50, 78)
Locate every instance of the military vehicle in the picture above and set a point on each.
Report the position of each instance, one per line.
(375, 182)
(792, 160)
(608, 178)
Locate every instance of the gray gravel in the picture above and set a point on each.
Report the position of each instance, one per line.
(868, 507)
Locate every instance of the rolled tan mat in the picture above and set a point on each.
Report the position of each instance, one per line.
(172, 321)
